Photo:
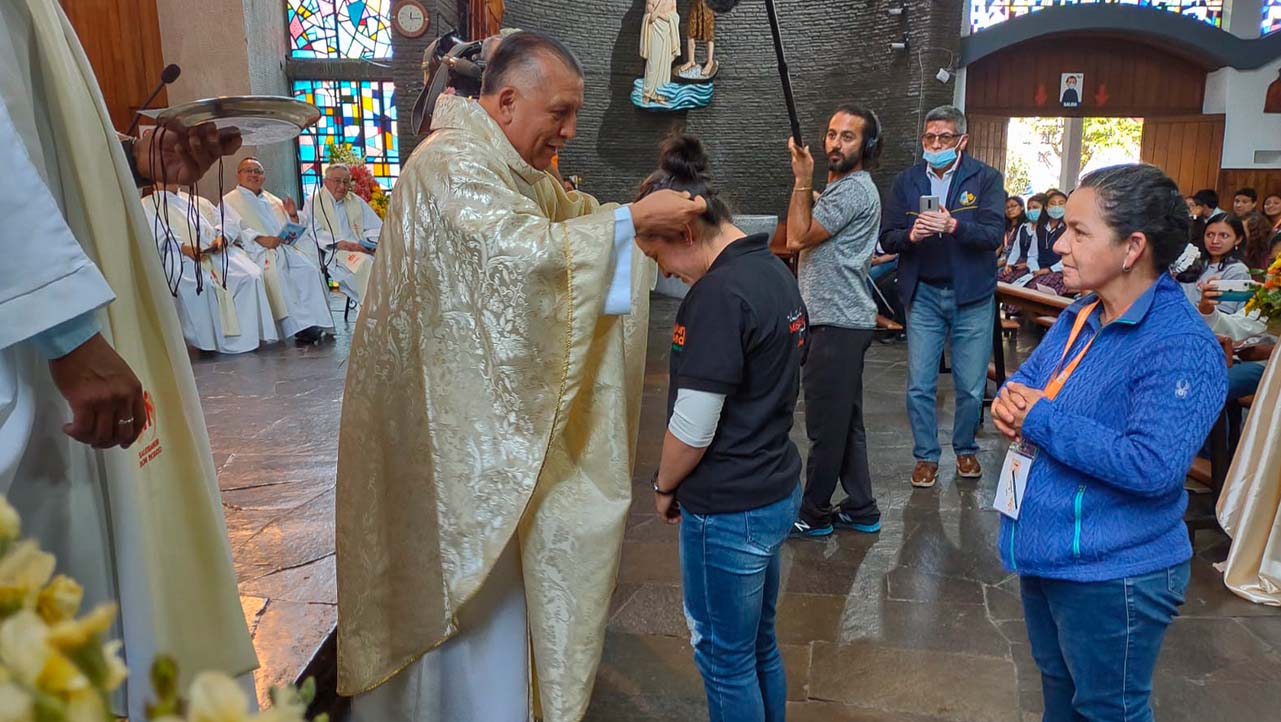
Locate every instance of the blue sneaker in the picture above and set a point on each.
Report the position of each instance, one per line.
(845, 521)
(801, 528)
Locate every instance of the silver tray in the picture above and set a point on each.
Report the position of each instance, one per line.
(261, 119)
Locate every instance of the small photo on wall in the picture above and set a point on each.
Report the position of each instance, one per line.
(1071, 87)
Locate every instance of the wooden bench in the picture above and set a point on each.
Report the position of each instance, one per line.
(1045, 321)
(1035, 303)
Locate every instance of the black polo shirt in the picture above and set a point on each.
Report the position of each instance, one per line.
(741, 331)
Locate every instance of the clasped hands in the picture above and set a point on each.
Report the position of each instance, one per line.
(1011, 407)
(932, 223)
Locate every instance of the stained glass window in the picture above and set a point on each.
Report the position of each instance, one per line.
(1271, 16)
(339, 28)
(986, 13)
(360, 113)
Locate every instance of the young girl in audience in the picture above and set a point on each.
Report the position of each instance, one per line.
(1221, 261)
(1042, 261)
(1272, 210)
(1014, 265)
(1015, 217)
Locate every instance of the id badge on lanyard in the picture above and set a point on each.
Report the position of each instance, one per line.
(1013, 482)
(1011, 486)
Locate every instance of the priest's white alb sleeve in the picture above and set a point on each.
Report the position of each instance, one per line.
(618, 300)
(46, 279)
(695, 417)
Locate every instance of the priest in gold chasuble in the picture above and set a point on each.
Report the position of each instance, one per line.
(489, 419)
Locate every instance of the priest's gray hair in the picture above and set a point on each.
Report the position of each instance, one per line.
(336, 166)
(521, 52)
(949, 114)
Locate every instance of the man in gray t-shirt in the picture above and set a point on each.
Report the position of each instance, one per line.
(833, 275)
(836, 237)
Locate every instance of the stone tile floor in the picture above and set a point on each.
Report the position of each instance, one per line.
(916, 624)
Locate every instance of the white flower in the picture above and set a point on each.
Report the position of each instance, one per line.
(215, 697)
(24, 646)
(15, 704)
(24, 571)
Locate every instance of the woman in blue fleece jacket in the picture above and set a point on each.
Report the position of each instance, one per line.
(1099, 541)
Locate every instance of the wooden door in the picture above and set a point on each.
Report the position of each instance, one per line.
(1188, 148)
(988, 139)
(122, 40)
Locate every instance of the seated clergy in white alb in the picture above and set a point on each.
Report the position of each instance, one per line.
(228, 318)
(291, 271)
(346, 229)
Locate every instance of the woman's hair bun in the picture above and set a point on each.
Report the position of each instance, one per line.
(683, 158)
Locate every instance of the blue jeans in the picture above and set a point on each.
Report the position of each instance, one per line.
(878, 272)
(730, 572)
(932, 319)
(1096, 644)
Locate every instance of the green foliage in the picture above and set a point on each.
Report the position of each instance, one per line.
(1018, 177)
(1100, 133)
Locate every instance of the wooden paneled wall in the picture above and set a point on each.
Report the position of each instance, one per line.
(1188, 149)
(988, 139)
(1263, 180)
(1122, 78)
(122, 40)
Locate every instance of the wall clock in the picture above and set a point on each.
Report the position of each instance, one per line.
(410, 19)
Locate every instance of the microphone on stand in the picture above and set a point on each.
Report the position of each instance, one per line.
(167, 76)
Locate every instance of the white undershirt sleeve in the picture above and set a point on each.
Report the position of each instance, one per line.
(695, 417)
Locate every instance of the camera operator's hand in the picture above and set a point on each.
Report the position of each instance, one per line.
(666, 212)
(802, 164)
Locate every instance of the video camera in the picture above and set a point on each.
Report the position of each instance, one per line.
(449, 62)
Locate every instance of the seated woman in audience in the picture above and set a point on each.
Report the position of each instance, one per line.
(1249, 331)
(1042, 260)
(1014, 264)
(1015, 217)
(1272, 210)
(1110, 407)
(1221, 260)
(729, 474)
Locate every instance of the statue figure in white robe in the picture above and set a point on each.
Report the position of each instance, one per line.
(346, 229)
(82, 374)
(221, 297)
(291, 270)
(660, 45)
(489, 421)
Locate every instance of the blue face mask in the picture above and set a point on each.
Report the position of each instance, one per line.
(1056, 212)
(1034, 214)
(940, 158)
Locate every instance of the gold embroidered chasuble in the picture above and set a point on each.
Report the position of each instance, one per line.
(488, 400)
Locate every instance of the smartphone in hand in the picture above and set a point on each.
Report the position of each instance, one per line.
(929, 204)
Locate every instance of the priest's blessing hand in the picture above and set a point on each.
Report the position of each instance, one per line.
(665, 213)
(182, 155)
(105, 397)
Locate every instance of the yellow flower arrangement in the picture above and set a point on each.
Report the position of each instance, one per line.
(56, 667)
(1267, 297)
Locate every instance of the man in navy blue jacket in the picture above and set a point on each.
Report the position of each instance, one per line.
(947, 278)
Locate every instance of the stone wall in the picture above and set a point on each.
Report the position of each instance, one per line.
(837, 51)
(407, 70)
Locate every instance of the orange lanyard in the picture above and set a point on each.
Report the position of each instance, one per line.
(1061, 376)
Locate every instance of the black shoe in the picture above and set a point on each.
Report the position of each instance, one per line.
(802, 529)
(845, 521)
(309, 336)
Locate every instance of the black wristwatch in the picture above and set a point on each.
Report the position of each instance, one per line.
(654, 483)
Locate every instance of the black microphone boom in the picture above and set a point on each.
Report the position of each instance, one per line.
(724, 6)
(167, 76)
